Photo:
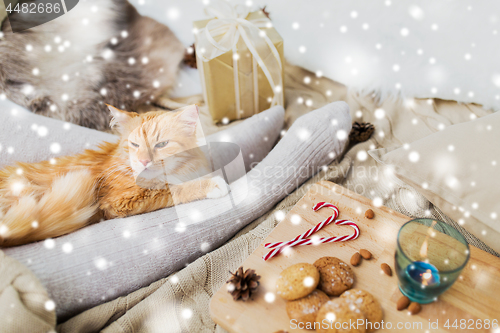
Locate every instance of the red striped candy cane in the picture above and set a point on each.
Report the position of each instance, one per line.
(298, 241)
(311, 231)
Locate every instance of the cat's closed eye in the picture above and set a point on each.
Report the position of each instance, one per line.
(161, 144)
(134, 144)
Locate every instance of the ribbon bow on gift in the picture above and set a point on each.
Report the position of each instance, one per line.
(222, 34)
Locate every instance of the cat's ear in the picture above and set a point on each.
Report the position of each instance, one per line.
(120, 117)
(189, 117)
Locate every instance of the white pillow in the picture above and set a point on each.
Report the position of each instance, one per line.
(458, 170)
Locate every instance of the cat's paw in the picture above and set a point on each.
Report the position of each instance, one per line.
(220, 188)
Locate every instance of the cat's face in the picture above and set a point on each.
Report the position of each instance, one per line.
(158, 143)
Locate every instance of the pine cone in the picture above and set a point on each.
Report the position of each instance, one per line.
(243, 285)
(190, 57)
(361, 132)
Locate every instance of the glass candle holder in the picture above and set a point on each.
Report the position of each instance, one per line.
(430, 256)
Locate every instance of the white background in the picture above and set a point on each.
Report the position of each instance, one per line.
(441, 48)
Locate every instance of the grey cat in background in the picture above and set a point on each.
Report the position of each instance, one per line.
(101, 52)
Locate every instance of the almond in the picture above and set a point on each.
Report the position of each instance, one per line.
(414, 308)
(386, 268)
(365, 254)
(369, 214)
(403, 303)
(355, 259)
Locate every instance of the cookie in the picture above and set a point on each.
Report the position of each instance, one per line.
(305, 309)
(368, 305)
(337, 316)
(297, 281)
(335, 275)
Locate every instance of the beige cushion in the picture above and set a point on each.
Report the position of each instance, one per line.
(458, 170)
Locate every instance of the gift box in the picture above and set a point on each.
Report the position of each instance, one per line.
(240, 59)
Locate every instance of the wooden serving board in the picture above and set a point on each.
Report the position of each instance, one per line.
(475, 295)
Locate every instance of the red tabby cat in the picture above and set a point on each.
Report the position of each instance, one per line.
(43, 200)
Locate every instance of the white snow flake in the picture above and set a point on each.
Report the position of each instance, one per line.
(50, 305)
(187, 313)
(295, 219)
(341, 134)
(414, 157)
(379, 113)
(279, 215)
(49, 243)
(309, 281)
(303, 134)
(42, 131)
(416, 12)
(101, 263)
(67, 247)
(173, 13)
(55, 148)
(269, 297)
(362, 155)
(377, 202)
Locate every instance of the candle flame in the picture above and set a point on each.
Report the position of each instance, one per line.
(425, 244)
(423, 249)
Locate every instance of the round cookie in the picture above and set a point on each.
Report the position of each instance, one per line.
(367, 304)
(297, 281)
(305, 309)
(335, 275)
(337, 313)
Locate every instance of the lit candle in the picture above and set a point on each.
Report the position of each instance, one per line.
(430, 256)
(423, 273)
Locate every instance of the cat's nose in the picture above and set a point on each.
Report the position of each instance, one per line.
(144, 162)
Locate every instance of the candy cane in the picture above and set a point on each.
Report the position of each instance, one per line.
(301, 240)
(311, 231)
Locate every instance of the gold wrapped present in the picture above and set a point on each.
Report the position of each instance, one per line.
(240, 59)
